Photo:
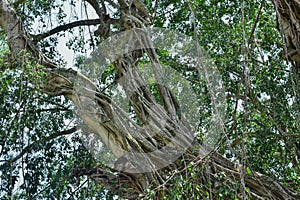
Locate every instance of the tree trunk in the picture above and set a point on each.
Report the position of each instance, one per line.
(288, 22)
(129, 142)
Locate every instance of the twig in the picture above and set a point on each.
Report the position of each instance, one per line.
(155, 9)
(25, 150)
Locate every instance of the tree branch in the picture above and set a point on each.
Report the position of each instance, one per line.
(141, 7)
(256, 21)
(107, 119)
(65, 27)
(27, 148)
(113, 4)
(97, 8)
(114, 181)
(103, 7)
(16, 3)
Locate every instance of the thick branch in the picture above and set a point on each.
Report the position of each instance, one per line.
(17, 37)
(114, 181)
(141, 7)
(288, 20)
(113, 4)
(65, 27)
(122, 135)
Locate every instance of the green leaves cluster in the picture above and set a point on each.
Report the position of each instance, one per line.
(262, 118)
(36, 158)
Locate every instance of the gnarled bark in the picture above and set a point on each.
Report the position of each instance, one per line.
(288, 21)
(122, 135)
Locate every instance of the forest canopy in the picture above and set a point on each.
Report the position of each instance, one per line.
(138, 99)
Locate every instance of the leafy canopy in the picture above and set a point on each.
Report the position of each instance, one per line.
(262, 119)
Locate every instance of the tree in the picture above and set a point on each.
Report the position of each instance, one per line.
(260, 132)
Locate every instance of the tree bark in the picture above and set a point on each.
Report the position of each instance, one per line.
(120, 134)
(288, 22)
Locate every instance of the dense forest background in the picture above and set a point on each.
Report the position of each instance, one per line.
(50, 149)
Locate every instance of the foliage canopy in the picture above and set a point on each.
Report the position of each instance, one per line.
(40, 141)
